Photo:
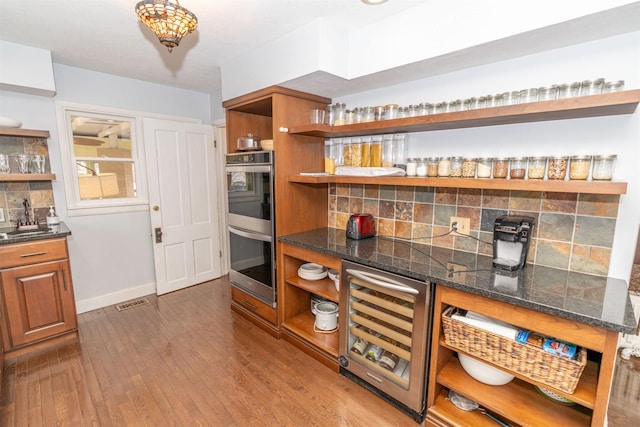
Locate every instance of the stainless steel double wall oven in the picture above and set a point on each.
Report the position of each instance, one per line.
(251, 223)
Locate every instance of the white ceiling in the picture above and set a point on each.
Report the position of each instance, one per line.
(106, 36)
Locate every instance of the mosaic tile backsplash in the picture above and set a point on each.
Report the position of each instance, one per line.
(572, 231)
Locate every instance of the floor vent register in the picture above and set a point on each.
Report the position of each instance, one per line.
(131, 304)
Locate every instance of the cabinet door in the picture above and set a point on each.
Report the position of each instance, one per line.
(39, 302)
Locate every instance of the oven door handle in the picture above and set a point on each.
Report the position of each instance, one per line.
(248, 169)
(249, 234)
(385, 282)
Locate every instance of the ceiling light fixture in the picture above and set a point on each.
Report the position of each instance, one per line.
(373, 2)
(168, 20)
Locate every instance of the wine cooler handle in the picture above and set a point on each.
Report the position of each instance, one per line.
(382, 281)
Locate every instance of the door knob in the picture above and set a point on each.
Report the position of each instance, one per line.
(156, 207)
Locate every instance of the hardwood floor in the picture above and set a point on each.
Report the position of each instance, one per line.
(186, 359)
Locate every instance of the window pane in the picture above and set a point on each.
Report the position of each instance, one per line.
(95, 137)
(106, 179)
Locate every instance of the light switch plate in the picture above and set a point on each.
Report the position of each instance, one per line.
(1, 214)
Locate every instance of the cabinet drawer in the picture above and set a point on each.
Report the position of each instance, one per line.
(253, 305)
(14, 255)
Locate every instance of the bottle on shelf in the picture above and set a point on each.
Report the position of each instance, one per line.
(550, 345)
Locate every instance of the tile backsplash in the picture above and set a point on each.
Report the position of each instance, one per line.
(572, 231)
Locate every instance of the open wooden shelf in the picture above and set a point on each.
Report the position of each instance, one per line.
(608, 104)
(302, 326)
(27, 133)
(447, 414)
(19, 177)
(509, 400)
(556, 186)
(326, 288)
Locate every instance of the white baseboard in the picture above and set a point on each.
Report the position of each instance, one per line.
(115, 298)
(628, 340)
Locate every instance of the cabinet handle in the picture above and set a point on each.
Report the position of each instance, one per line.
(64, 279)
(32, 254)
(248, 304)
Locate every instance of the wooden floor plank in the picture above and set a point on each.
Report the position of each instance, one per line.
(186, 359)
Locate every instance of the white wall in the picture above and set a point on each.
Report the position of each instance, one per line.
(615, 58)
(111, 255)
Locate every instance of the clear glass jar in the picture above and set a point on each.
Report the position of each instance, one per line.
(563, 91)
(432, 166)
(603, 167)
(346, 152)
(368, 114)
(489, 101)
(579, 167)
(500, 167)
(511, 98)
(574, 89)
(413, 110)
(557, 168)
(484, 168)
(444, 167)
(537, 167)
(349, 116)
(391, 111)
(616, 86)
(356, 151)
(469, 165)
(421, 167)
(329, 116)
(337, 148)
(412, 165)
(426, 108)
(329, 157)
(598, 86)
(456, 167)
(517, 167)
(376, 151)
(586, 88)
(454, 105)
(339, 114)
(365, 149)
(482, 102)
(357, 115)
(378, 112)
(387, 151)
(543, 93)
(400, 150)
(403, 112)
(498, 100)
(553, 92)
(529, 95)
(440, 107)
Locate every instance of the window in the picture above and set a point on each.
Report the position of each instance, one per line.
(101, 161)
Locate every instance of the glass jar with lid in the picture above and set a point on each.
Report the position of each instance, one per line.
(413, 110)
(412, 166)
(426, 108)
(378, 112)
(347, 158)
(329, 157)
(390, 111)
(579, 167)
(349, 117)
(421, 167)
(357, 115)
(603, 167)
(441, 107)
(339, 114)
(469, 167)
(400, 144)
(574, 89)
(456, 167)
(432, 166)
(444, 167)
(368, 115)
(500, 167)
(557, 168)
(484, 167)
(517, 167)
(616, 86)
(329, 116)
(537, 167)
(387, 151)
(563, 91)
(365, 149)
(356, 151)
(376, 151)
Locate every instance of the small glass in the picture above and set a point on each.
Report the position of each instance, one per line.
(330, 115)
(586, 88)
(518, 167)
(403, 112)
(432, 166)
(444, 167)
(456, 167)
(489, 101)
(500, 167)
(469, 165)
(484, 168)
(579, 167)
(23, 163)
(557, 168)
(543, 93)
(537, 167)
(36, 164)
(498, 100)
(4, 164)
(603, 167)
(357, 115)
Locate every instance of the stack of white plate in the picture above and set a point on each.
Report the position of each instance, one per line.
(311, 271)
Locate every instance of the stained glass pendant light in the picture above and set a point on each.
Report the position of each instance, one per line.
(167, 19)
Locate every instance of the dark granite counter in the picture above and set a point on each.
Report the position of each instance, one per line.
(593, 300)
(8, 236)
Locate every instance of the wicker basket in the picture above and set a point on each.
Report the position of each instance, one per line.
(529, 361)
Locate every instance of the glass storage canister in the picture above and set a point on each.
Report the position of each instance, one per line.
(412, 166)
(444, 167)
(339, 114)
(346, 152)
(421, 167)
(376, 151)
(349, 117)
(500, 167)
(378, 112)
(390, 111)
(616, 86)
(603, 167)
(456, 167)
(518, 167)
(537, 167)
(368, 115)
(356, 151)
(387, 151)
(579, 167)
(400, 150)
(329, 116)
(365, 149)
(469, 167)
(484, 168)
(432, 166)
(329, 157)
(557, 168)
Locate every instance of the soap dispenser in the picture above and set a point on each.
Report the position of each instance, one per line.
(52, 218)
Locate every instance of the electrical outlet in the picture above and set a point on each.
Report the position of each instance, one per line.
(462, 224)
(457, 271)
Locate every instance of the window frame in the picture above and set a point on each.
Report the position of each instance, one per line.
(78, 207)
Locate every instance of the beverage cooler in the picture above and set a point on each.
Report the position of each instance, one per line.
(385, 339)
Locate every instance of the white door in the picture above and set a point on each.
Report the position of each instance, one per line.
(183, 192)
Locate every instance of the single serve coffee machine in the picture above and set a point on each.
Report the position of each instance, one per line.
(511, 235)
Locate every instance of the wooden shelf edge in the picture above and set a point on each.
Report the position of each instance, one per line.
(443, 412)
(589, 187)
(302, 326)
(607, 104)
(19, 177)
(28, 133)
(323, 287)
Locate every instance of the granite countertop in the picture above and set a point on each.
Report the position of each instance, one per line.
(44, 232)
(594, 300)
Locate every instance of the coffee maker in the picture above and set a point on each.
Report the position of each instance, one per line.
(511, 236)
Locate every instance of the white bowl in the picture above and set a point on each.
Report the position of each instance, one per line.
(312, 276)
(484, 372)
(311, 268)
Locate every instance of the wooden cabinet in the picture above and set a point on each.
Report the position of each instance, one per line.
(518, 401)
(297, 321)
(37, 297)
